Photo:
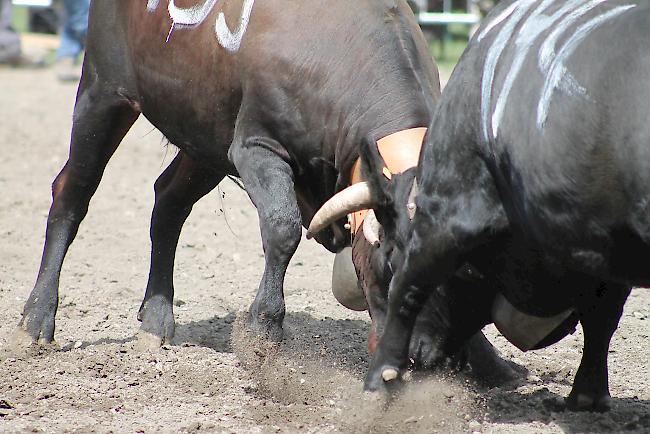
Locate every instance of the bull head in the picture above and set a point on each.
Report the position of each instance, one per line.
(375, 194)
(446, 324)
(372, 247)
(468, 294)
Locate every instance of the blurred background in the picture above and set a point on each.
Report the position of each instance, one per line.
(447, 25)
(37, 16)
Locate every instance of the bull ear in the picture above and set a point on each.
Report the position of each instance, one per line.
(372, 169)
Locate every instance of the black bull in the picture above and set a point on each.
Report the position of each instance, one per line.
(535, 171)
(282, 102)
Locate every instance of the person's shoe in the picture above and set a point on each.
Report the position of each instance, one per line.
(67, 70)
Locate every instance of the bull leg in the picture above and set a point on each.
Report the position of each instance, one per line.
(436, 247)
(425, 350)
(407, 295)
(177, 189)
(599, 316)
(268, 179)
(489, 366)
(101, 119)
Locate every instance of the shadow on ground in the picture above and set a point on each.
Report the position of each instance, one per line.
(339, 342)
(510, 405)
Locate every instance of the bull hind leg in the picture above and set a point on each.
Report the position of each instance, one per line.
(178, 188)
(268, 179)
(101, 119)
(599, 315)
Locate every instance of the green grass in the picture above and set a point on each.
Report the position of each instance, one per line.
(19, 18)
(447, 55)
(448, 48)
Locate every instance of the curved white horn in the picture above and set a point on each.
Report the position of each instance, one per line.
(353, 198)
(371, 228)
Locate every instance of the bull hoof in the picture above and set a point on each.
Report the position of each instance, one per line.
(158, 326)
(266, 328)
(489, 367)
(147, 341)
(585, 402)
(383, 379)
(389, 374)
(37, 323)
(498, 372)
(21, 344)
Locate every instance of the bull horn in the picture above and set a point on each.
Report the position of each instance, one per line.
(389, 374)
(353, 198)
(371, 228)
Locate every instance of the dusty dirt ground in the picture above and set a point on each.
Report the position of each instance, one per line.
(216, 378)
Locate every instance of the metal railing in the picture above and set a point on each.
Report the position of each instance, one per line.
(33, 3)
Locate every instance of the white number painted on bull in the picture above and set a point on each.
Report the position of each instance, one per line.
(190, 17)
(551, 64)
(195, 15)
(228, 40)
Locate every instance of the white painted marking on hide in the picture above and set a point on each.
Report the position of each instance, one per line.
(192, 16)
(568, 83)
(547, 50)
(556, 76)
(497, 20)
(229, 40)
(536, 24)
(557, 67)
(492, 58)
(195, 15)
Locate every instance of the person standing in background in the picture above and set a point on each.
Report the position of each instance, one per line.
(10, 50)
(73, 40)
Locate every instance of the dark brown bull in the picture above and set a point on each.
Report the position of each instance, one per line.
(279, 94)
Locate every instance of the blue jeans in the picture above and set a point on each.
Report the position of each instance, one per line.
(73, 36)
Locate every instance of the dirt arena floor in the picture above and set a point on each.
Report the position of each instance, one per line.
(216, 378)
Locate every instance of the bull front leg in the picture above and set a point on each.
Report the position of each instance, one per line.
(268, 178)
(600, 313)
(444, 231)
(407, 295)
(178, 188)
(101, 119)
